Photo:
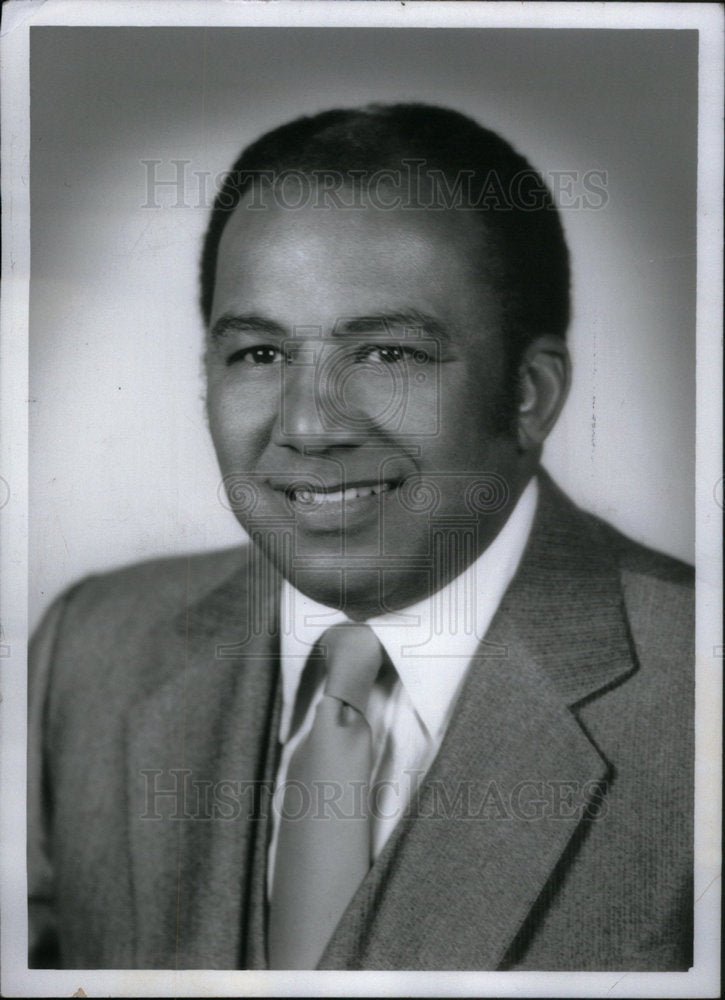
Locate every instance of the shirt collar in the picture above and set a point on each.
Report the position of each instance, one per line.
(430, 643)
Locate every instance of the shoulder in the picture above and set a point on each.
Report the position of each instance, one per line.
(658, 593)
(655, 589)
(105, 616)
(659, 596)
(601, 539)
(151, 590)
(112, 636)
(650, 579)
(638, 561)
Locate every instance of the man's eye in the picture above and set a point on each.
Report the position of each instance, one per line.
(260, 354)
(390, 353)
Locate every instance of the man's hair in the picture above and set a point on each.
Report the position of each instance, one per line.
(462, 166)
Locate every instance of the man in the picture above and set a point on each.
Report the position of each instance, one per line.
(435, 716)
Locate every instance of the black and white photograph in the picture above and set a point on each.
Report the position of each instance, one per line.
(361, 496)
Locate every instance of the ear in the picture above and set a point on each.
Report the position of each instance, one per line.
(544, 379)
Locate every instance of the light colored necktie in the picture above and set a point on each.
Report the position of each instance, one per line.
(324, 843)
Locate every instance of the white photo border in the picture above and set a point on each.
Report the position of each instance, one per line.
(18, 17)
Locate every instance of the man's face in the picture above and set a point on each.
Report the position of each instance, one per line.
(355, 377)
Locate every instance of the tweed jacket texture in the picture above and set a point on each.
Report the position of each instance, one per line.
(553, 831)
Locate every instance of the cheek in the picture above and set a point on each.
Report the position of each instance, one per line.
(460, 399)
(471, 413)
(486, 396)
(240, 426)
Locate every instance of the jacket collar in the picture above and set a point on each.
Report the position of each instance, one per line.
(565, 604)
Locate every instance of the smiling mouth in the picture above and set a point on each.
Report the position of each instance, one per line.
(308, 495)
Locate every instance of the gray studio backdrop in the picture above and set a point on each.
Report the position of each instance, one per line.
(121, 468)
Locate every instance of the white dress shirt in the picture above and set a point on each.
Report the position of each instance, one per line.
(430, 644)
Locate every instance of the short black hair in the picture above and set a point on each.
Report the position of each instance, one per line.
(463, 164)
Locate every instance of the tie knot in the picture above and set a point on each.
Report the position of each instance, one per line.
(354, 657)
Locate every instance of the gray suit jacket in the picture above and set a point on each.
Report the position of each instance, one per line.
(553, 830)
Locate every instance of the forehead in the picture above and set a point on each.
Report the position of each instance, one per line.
(321, 257)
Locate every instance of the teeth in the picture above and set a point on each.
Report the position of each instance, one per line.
(309, 496)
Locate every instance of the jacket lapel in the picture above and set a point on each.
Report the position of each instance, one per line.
(498, 815)
(208, 735)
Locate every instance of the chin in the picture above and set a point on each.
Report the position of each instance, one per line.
(360, 593)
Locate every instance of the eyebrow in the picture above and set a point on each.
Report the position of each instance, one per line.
(411, 319)
(230, 323)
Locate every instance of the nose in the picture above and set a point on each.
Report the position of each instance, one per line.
(314, 414)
